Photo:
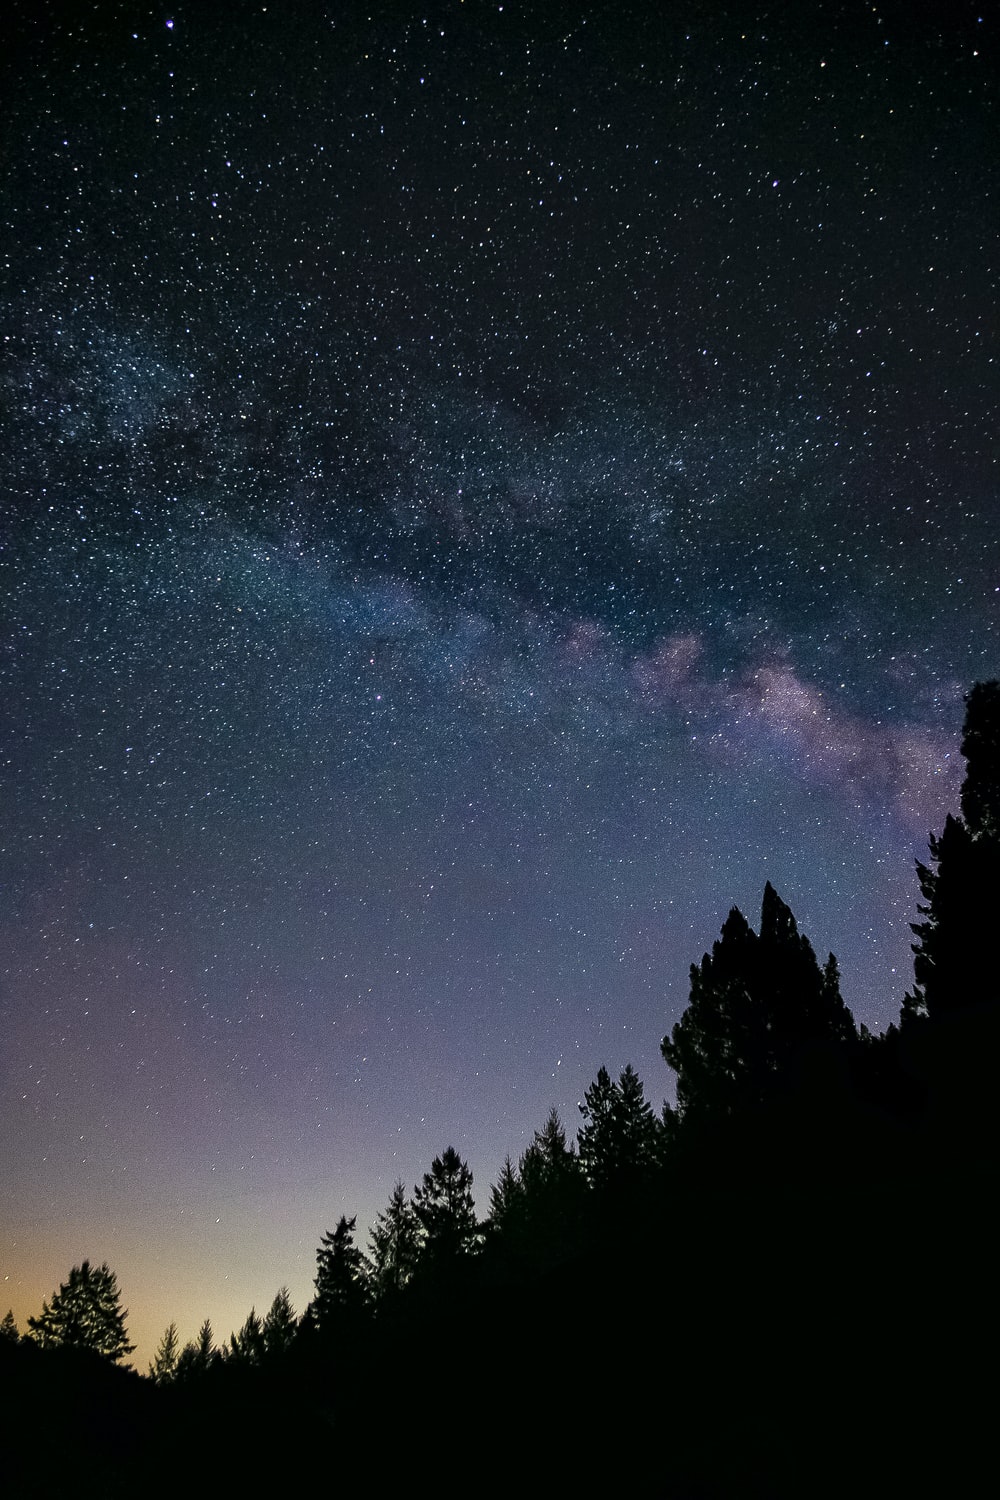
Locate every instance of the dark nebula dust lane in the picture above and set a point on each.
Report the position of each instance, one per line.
(483, 489)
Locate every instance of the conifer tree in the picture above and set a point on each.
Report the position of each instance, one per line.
(163, 1367)
(954, 959)
(619, 1139)
(8, 1327)
(198, 1355)
(340, 1276)
(507, 1200)
(247, 1346)
(760, 1005)
(279, 1327)
(549, 1160)
(395, 1245)
(85, 1313)
(445, 1209)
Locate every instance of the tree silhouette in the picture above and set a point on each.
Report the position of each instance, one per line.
(549, 1161)
(544, 1204)
(395, 1245)
(163, 1367)
(280, 1324)
(8, 1327)
(85, 1314)
(507, 1200)
(198, 1355)
(620, 1137)
(444, 1208)
(954, 961)
(247, 1346)
(981, 748)
(340, 1276)
(760, 1006)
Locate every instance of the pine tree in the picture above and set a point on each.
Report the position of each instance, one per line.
(549, 1160)
(395, 1246)
(554, 1190)
(760, 1006)
(85, 1313)
(247, 1346)
(954, 961)
(981, 749)
(163, 1368)
(445, 1209)
(8, 1327)
(280, 1325)
(620, 1137)
(341, 1286)
(507, 1201)
(198, 1355)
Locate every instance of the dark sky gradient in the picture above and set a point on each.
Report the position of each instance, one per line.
(483, 489)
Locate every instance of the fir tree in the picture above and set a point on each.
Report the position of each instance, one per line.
(395, 1246)
(760, 1005)
(619, 1139)
(85, 1313)
(8, 1327)
(507, 1200)
(549, 1160)
(198, 1355)
(445, 1209)
(247, 1346)
(280, 1325)
(954, 963)
(163, 1368)
(341, 1286)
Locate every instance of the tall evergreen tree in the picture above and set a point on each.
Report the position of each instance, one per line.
(535, 1208)
(8, 1327)
(163, 1367)
(620, 1137)
(341, 1286)
(395, 1245)
(85, 1313)
(981, 748)
(445, 1209)
(198, 1355)
(507, 1200)
(247, 1345)
(954, 958)
(549, 1160)
(280, 1324)
(760, 1005)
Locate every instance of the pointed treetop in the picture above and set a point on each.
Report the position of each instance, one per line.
(776, 920)
(759, 1006)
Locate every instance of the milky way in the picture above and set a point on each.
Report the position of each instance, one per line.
(482, 491)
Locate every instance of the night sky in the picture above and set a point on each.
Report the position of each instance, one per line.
(484, 487)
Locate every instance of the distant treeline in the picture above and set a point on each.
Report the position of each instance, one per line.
(778, 1288)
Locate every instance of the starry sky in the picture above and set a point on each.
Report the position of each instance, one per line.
(484, 487)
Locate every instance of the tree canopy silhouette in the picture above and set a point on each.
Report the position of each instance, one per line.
(620, 1136)
(198, 1355)
(536, 1207)
(247, 1345)
(760, 1004)
(445, 1209)
(280, 1324)
(340, 1276)
(85, 1313)
(395, 1245)
(163, 1366)
(954, 958)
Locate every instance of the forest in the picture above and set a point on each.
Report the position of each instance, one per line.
(782, 1286)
